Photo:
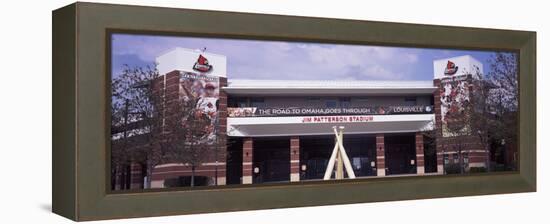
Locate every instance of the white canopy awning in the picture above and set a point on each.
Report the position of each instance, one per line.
(322, 125)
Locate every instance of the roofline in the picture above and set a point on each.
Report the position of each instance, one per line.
(328, 87)
(328, 91)
(370, 88)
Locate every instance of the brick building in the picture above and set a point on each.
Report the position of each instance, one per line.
(281, 130)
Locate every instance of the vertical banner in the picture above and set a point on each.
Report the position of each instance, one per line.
(456, 75)
(454, 95)
(200, 95)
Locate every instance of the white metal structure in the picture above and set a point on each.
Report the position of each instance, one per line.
(339, 154)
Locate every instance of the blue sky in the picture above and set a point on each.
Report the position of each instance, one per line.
(251, 59)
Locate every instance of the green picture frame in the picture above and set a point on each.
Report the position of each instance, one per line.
(81, 137)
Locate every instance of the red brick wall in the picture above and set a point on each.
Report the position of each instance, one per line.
(137, 174)
(419, 142)
(175, 170)
(438, 133)
(248, 150)
(222, 124)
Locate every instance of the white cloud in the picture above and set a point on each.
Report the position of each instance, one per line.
(285, 60)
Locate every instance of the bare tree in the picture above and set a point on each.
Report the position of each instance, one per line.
(480, 119)
(119, 148)
(457, 119)
(492, 115)
(503, 98)
(430, 138)
(503, 75)
(156, 129)
(192, 137)
(458, 124)
(137, 90)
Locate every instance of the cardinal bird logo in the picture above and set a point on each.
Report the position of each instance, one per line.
(381, 110)
(451, 68)
(202, 64)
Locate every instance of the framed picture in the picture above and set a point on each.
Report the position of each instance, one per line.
(202, 111)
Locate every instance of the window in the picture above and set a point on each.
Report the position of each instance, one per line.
(257, 102)
(362, 99)
(237, 102)
(410, 101)
(465, 158)
(313, 99)
(455, 158)
(331, 103)
(345, 102)
(446, 159)
(246, 102)
(243, 102)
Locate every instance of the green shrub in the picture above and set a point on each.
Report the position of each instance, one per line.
(499, 167)
(478, 169)
(452, 168)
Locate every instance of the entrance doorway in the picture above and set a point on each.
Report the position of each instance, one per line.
(271, 160)
(315, 152)
(400, 154)
(234, 165)
(430, 155)
(361, 150)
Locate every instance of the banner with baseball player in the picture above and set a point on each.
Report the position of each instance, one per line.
(200, 94)
(456, 77)
(454, 96)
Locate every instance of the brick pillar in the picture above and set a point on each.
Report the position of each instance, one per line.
(170, 99)
(136, 176)
(222, 129)
(171, 88)
(380, 156)
(419, 153)
(294, 158)
(248, 149)
(438, 126)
